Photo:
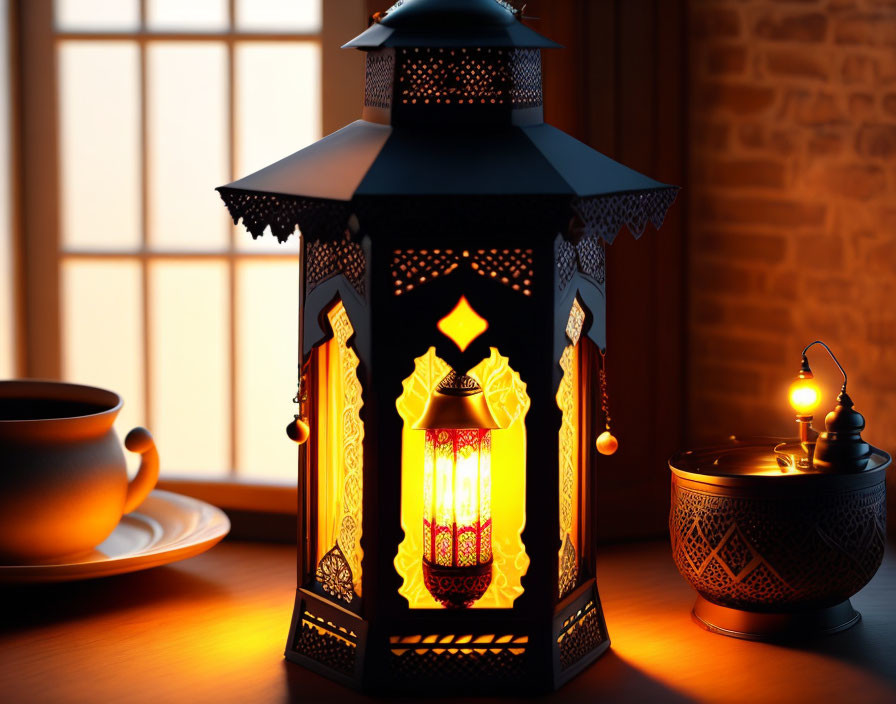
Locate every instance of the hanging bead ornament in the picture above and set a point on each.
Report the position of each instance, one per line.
(299, 430)
(607, 444)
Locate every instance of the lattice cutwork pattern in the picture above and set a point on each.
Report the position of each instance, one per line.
(580, 635)
(451, 659)
(604, 216)
(756, 552)
(525, 68)
(331, 645)
(380, 77)
(568, 402)
(469, 76)
(335, 576)
(283, 214)
(576, 322)
(349, 541)
(587, 257)
(412, 268)
(325, 259)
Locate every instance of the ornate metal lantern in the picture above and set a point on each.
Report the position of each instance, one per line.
(453, 285)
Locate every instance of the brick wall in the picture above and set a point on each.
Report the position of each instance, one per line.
(793, 209)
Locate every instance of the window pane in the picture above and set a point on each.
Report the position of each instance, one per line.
(278, 111)
(100, 145)
(184, 15)
(188, 145)
(102, 332)
(190, 365)
(278, 15)
(97, 15)
(267, 332)
(7, 326)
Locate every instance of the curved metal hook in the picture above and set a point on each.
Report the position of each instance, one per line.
(842, 370)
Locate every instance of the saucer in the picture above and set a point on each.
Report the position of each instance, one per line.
(165, 528)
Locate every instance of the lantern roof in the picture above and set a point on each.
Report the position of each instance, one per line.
(370, 159)
(453, 111)
(449, 23)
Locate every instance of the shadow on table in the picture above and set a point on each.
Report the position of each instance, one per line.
(862, 646)
(25, 606)
(609, 679)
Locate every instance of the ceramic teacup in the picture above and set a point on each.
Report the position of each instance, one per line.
(63, 477)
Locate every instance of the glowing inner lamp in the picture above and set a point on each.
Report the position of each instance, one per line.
(457, 526)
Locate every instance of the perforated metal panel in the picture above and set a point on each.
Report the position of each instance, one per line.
(412, 268)
(474, 76)
(380, 78)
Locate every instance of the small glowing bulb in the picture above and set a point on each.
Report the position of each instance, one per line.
(804, 395)
(606, 443)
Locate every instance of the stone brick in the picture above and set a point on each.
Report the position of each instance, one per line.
(746, 173)
(824, 252)
(737, 98)
(880, 261)
(861, 106)
(792, 63)
(726, 60)
(809, 108)
(760, 316)
(807, 27)
(723, 278)
(784, 285)
(743, 246)
(833, 290)
(873, 29)
(761, 211)
(715, 22)
(825, 144)
(858, 69)
(858, 181)
(876, 141)
(760, 137)
(745, 348)
(889, 104)
(723, 379)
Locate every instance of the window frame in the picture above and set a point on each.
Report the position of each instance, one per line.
(36, 196)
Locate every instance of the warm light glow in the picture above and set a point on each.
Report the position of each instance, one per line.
(338, 434)
(463, 324)
(804, 394)
(456, 503)
(569, 404)
(501, 486)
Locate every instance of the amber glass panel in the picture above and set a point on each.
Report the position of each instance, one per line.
(574, 444)
(504, 483)
(568, 400)
(339, 434)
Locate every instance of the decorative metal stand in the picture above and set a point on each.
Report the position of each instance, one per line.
(774, 556)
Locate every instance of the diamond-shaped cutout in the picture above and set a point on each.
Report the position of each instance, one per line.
(463, 324)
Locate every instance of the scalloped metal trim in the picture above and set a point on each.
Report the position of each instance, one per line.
(604, 216)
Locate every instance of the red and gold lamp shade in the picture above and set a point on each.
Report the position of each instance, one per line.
(457, 485)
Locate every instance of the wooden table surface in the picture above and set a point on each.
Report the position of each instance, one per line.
(212, 629)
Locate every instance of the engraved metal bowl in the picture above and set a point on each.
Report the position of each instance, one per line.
(774, 552)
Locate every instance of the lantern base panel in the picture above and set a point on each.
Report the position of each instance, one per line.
(774, 626)
(457, 587)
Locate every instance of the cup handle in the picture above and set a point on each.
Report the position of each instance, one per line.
(140, 440)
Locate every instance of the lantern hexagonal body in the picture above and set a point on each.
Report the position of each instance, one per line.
(449, 232)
